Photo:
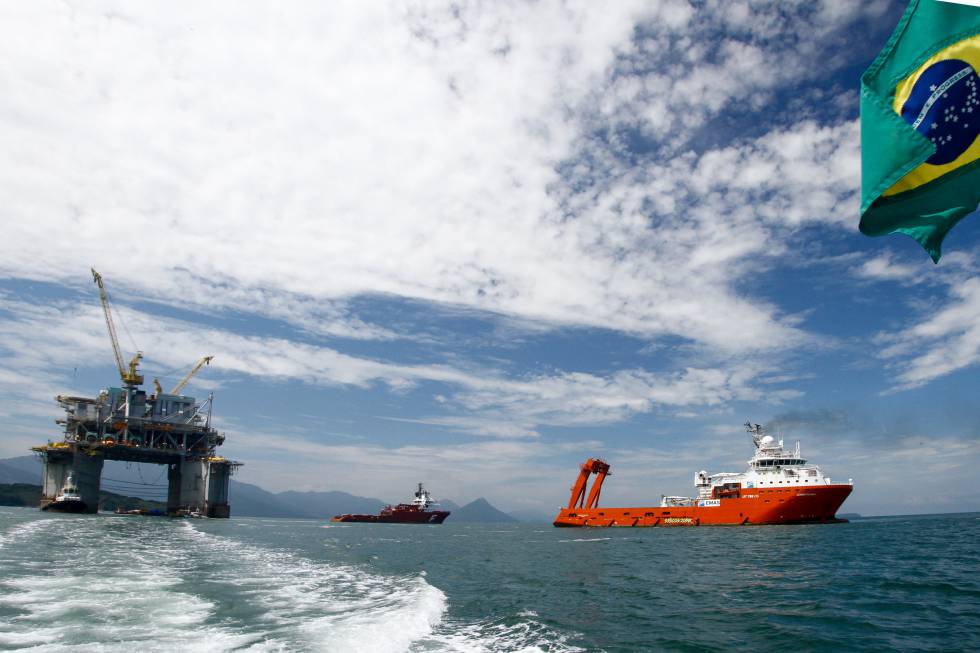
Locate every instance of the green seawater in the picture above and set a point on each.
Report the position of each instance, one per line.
(118, 583)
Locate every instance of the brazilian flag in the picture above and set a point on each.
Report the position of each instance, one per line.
(920, 117)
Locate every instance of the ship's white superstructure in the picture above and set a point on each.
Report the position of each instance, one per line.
(69, 492)
(423, 499)
(772, 466)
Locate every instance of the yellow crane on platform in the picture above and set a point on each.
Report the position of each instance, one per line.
(201, 363)
(129, 374)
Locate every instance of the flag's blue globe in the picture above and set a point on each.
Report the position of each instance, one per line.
(944, 106)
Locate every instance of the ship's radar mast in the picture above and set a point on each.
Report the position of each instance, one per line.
(758, 434)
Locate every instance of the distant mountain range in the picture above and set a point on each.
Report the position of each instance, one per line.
(24, 469)
(480, 511)
(248, 500)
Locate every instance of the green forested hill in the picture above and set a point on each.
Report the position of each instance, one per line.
(19, 494)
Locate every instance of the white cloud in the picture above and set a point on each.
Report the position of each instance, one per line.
(481, 401)
(946, 340)
(884, 268)
(539, 163)
(537, 474)
(942, 335)
(882, 473)
(722, 58)
(509, 473)
(284, 162)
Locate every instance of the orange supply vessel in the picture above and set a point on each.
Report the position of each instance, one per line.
(779, 487)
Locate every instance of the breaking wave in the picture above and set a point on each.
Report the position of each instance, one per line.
(587, 539)
(124, 584)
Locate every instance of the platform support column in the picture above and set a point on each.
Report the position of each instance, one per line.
(88, 476)
(218, 479)
(54, 473)
(193, 484)
(173, 487)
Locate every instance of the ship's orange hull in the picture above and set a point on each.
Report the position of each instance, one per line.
(791, 505)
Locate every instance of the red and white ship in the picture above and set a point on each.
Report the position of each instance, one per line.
(779, 487)
(416, 512)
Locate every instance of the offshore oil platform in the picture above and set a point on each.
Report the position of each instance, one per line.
(125, 423)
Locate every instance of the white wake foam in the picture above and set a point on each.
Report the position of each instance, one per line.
(100, 583)
(108, 584)
(587, 539)
(524, 635)
(326, 607)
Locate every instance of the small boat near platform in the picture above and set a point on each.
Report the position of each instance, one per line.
(68, 500)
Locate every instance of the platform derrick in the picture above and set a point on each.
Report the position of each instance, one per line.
(124, 423)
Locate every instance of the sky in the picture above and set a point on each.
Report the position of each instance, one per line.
(474, 244)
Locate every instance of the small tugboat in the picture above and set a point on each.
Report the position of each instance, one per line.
(779, 487)
(68, 500)
(416, 512)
